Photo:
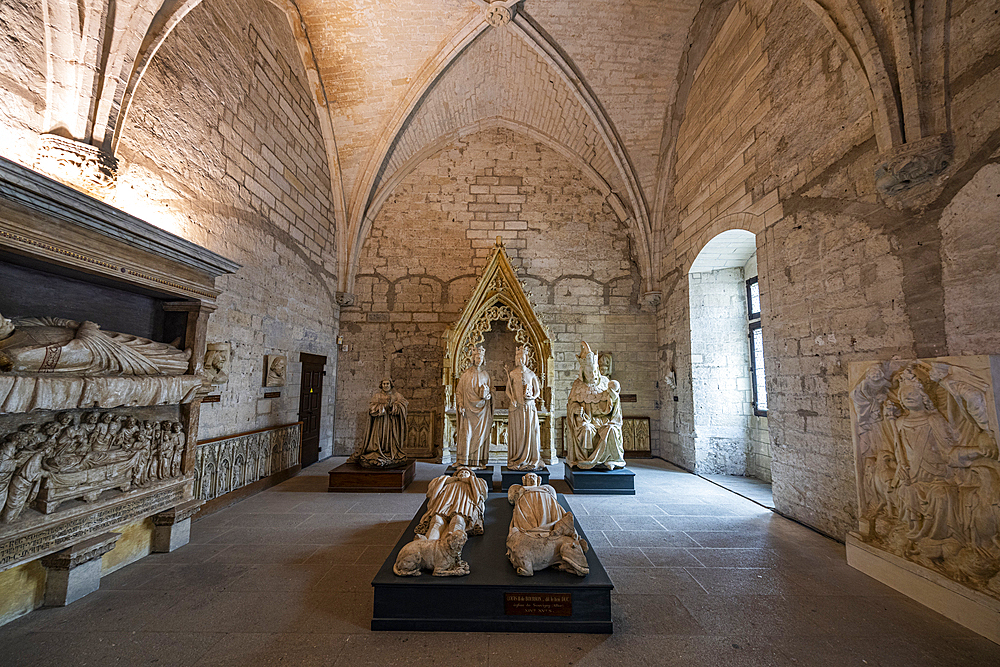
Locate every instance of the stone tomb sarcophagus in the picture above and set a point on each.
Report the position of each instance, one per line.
(102, 340)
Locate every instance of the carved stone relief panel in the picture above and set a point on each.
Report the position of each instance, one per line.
(420, 436)
(635, 434)
(82, 455)
(226, 464)
(217, 363)
(275, 367)
(928, 475)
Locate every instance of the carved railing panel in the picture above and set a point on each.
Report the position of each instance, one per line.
(420, 436)
(635, 435)
(928, 474)
(226, 464)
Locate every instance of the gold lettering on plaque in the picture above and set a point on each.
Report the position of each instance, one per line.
(538, 604)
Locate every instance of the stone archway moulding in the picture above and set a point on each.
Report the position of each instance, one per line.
(370, 190)
(745, 221)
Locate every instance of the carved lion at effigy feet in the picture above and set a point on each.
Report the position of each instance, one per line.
(561, 548)
(443, 556)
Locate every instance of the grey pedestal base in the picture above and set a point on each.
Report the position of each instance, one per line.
(619, 482)
(492, 598)
(76, 571)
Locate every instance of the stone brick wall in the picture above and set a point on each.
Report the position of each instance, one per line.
(720, 371)
(231, 157)
(778, 138)
(22, 79)
(433, 237)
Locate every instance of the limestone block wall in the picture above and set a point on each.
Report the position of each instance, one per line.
(720, 371)
(433, 237)
(223, 147)
(842, 275)
(22, 79)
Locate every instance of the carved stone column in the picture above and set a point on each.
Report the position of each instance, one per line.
(76, 571)
(172, 529)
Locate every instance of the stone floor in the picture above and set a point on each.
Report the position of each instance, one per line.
(748, 487)
(702, 576)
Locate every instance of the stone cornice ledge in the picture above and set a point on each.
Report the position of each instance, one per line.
(28, 188)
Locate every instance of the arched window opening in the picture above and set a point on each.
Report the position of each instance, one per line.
(727, 361)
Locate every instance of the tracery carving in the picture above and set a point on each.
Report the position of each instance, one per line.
(44, 465)
(226, 464)
(925, 436)
(498, 313)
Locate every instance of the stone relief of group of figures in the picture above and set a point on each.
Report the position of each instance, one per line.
(594, 418)
(542, 534)
(928, 469)
(68, 459)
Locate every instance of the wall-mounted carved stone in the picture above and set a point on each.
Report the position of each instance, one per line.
(928, 475)
(217, 359)
(635, 434)
(227, 464)
(420, 436)
(906, 175)
(75, 163)
(275, 368)
(44, 465)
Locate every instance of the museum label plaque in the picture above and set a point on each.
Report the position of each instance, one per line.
(538, 604)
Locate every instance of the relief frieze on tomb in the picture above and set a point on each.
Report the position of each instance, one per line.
(928, 475)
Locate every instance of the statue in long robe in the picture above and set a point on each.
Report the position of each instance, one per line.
(456, 502)
(386, 435)
(542, 534)
(56, 346)
(594, 418)
(524, 437)
(475, 413)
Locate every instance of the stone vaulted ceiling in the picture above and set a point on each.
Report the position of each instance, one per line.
(590, 78)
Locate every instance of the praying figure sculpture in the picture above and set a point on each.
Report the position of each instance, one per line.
(386, 435)
(542, 534)
(56, 346)
(475, 413)
(594, 418)
(523, 432)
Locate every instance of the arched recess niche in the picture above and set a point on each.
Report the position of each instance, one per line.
(498, 304)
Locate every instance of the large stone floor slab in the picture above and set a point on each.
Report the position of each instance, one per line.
(486, 599)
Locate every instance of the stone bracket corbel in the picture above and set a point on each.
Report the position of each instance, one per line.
(76, 571)
(909, 175)
(172, 528)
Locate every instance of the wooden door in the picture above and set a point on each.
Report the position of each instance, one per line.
(311, 406)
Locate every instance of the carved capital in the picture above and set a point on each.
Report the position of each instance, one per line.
(907, 175)
(345, 299)
(652, 298)
(81, 553)
(78, 164)
(177, 514)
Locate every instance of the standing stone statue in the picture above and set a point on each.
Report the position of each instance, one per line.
(383, 443)
(524, 451)
(594, 418)
(475, 413)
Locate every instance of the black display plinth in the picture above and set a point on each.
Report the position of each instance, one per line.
(492, 598)
(509, 477)
(350, 477)
(619, 482)
(486, 474)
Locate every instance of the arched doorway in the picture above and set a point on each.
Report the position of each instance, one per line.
(727, 366)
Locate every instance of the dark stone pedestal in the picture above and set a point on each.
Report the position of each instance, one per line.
(351, 477)
(619, 482)
(509, 477)
(492, 598)
(486, 475)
